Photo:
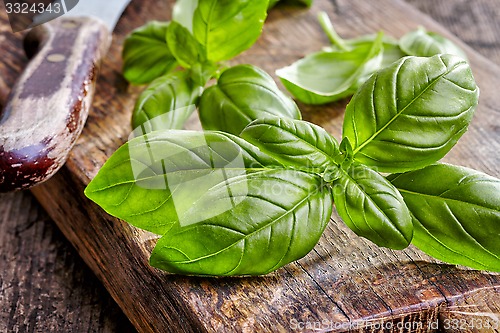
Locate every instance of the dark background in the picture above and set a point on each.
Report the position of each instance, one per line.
(46, 287)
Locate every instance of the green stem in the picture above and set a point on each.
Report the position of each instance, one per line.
(327, 26)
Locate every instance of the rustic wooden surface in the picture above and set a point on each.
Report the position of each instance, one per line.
(338, 281)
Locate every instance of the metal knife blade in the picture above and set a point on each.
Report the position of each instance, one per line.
(109, 11)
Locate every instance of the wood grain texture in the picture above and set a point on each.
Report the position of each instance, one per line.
(49, 104)
(343, 279)
(477, 23)
(44, 285)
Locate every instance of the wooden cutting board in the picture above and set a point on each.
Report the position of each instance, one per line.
(344, 280)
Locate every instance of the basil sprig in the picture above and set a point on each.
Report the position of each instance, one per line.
(337, 71)
(183, 55)
(247, 205)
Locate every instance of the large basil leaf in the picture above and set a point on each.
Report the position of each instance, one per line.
(456, 213)
(183, 13)
(242, 94)
(426, 44)
(185, 48)
(228, 27)
(325, 77)
(372, 207)
(146, 55)
(158, 179)
(166, 104)
(295, 143)
(412, 113)
(278, 217)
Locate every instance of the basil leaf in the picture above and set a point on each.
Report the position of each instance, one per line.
(185, 48)
(156, 180)
(325, 77)
(183, 13)
(456, 213)
(146, 55)
(412, 113)
(228, 27)
(242, 94)
(296, 143)
(391, 52)
(372, 207)
(166, 104)
(426, 44)
(278, 218)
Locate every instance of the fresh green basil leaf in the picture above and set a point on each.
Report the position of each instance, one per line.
(391, 53)
(228, 27)
(325, 77)
(146, 55)
(295, 143)
(410, 114)
(338, 43)
(183, 13)
(201, 73)
(372, 207)
(278, 217)
(185, 48)
(166, 104)
(154, 181)
(426, 44)
(456, 213)
(242, 94)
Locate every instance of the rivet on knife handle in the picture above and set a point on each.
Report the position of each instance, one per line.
(49, 104)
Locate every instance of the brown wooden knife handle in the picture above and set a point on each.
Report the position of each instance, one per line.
(48, 106)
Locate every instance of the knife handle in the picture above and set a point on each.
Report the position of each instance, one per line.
(49, 104)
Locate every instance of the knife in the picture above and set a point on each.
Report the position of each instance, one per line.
(49, 104)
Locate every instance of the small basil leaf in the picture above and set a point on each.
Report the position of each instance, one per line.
(372, 207)
(325, 77)
(426, 44)
(296, 143)
(391, 52)
(456, 213)
(410, 114)
(201, 73)
(166, 104)
(228, 27)
(183, 13)
(242, 94)
(155, 180)
(146, 55)
(278, 217)
(345, 158)
(185, 48)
